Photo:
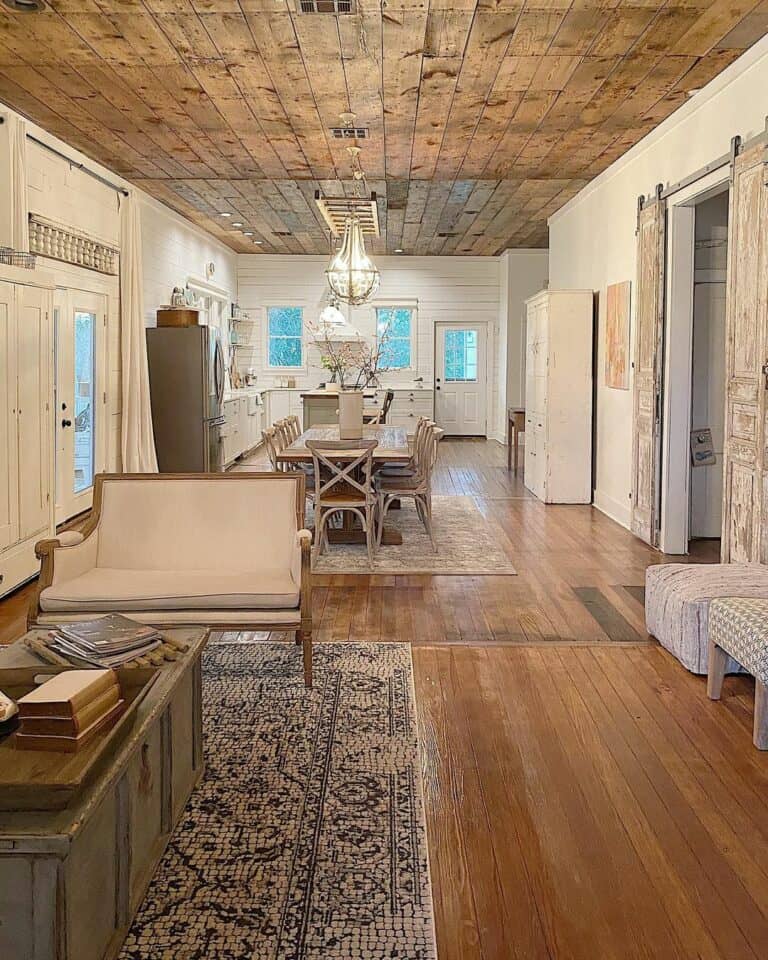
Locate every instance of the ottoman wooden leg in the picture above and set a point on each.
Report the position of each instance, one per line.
(760, 729)
(715, 670)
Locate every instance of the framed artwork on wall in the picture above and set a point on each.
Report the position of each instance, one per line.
(617, 335)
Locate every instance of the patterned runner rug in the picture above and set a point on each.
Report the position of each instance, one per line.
(306, 838)
(467, 545)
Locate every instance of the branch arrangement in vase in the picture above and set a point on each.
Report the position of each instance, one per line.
(353, 364)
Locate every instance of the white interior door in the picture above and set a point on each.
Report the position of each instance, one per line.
(9, 515)
(80, 372)
(460, 379)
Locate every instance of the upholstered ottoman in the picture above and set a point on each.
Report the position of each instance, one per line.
(677, 598)
(738, 629)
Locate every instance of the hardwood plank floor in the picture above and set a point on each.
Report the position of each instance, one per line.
(585, 800)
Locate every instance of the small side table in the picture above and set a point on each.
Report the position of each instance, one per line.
(516, 425)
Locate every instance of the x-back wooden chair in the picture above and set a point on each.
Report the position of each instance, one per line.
(344, 486)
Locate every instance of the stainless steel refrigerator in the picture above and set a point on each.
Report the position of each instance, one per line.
(186, 382)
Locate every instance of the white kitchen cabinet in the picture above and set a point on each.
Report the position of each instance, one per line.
(26, 422)
(408, 406)
(558, 396)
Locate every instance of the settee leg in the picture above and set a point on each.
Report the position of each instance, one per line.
(304, 637)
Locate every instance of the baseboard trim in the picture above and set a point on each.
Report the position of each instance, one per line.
(617, 511)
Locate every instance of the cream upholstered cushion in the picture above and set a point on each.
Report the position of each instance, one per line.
(104, 588)
(210, 525)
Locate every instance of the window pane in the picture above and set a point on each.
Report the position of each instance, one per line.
(460, 355)
(85, 324)
(285, 329)
(285, 352)
(285, 321)
(394, 324)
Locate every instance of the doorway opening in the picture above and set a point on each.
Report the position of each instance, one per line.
(695, 370)
(461, 378)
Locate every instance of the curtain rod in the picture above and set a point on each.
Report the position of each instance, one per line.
(78, 166)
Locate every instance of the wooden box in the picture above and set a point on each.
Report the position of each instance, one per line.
(50, 781)
(178, 317)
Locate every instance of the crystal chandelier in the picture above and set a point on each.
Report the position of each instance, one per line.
(352, 275)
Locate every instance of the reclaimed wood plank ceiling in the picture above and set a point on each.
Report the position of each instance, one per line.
(485, 116)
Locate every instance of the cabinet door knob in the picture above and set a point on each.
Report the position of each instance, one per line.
(66, 423)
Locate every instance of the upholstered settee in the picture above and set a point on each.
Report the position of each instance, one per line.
(225, 550)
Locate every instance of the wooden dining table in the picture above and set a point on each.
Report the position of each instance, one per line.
(392, 448)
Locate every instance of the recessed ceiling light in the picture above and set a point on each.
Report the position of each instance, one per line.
(236, 223)
(692, 92)
(247, 233)
(258, 242)
(399, 250)
(24, 6)
(225, 214)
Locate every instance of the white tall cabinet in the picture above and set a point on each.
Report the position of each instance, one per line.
(26, 422)
(558, 396)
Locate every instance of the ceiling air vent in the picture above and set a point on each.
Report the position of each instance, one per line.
(282, 233)
(326, 6)
(350, 133)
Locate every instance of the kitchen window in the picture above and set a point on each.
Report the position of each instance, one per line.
(396, 326)
(285, 338)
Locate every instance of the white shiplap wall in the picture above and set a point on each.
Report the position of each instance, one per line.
(442, 288)
(173, 248)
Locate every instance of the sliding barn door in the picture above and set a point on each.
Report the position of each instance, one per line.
(745, 487)
(649, 326)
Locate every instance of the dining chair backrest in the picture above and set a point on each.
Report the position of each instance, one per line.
(426, 453)
(271, 443)
(389, 396)
(354, 472)
(284, 431)
(294, 426)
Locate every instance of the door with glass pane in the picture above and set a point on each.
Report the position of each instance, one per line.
(460, 379)
(79, 320)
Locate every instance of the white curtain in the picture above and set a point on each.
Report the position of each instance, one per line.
(19, 219)
(137, 437)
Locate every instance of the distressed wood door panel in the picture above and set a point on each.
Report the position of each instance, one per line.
(647, 370)
(745, 507)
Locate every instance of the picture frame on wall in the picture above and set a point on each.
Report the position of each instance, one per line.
(618, 296)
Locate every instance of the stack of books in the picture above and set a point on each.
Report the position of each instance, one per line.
(105, 642)
(63, 713)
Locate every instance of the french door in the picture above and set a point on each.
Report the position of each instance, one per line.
(80, 392)
(460, 379)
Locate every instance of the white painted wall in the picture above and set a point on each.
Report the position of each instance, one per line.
(592, 239)
(442, 288)
(523, 273)
(175, 250)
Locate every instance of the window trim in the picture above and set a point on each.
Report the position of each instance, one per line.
(395, 304)
(296, 304)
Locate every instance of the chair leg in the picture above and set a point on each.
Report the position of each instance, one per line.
(717, 659)
(370, 534)
(305, 638)
(385, 502)
(320, 533)
(426, 509)
(760, 728)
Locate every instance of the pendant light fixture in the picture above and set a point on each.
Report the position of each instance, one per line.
(352, 275)
(331, 317)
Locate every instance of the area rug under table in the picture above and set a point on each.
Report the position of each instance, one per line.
(467, 545)
(306, 839)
